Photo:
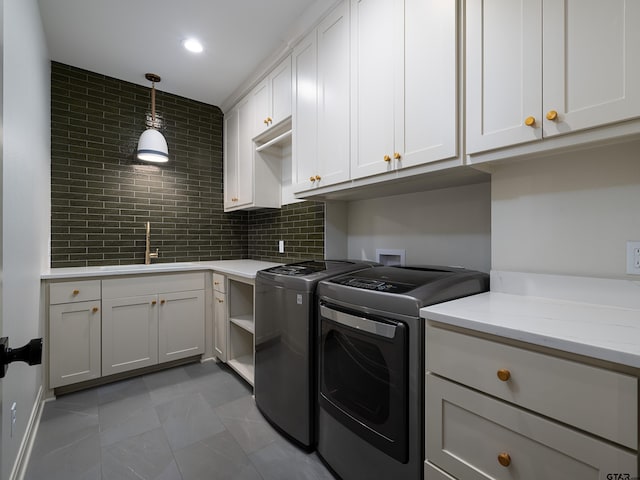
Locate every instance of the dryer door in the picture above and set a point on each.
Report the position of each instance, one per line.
(364, 377)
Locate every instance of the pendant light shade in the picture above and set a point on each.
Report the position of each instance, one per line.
(152, 147)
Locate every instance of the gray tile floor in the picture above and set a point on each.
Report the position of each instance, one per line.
(193, 422)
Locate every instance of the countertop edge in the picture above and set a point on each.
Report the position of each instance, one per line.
(479, 313)
(244, 268)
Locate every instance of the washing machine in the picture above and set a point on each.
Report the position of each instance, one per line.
(285, 338)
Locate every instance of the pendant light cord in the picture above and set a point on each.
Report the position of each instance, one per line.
(153, 105)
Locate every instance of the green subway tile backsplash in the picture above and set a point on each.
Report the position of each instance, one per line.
(101, 196)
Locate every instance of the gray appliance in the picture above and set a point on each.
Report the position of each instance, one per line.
(371, 366)
(285, 357)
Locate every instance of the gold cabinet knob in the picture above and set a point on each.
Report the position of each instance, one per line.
(153, 302)
(234, 199)
(76, 292)
(387, 158)
(312, 179)
(95, 309)
(397, 156)
(504, 459)
(504, 374)
(318, 177)
(552, 115)
(220, 300)
(269, 119)
(266, 121)
(530, 121)
(216, 283)
(162, 302)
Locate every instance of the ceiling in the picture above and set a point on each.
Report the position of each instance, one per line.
(127, 38)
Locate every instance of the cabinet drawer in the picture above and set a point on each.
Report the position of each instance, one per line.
(219, 283)
(151, 284)
(467, 431)
(74, 291)
(599, 401)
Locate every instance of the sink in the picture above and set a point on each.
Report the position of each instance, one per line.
(138, 267)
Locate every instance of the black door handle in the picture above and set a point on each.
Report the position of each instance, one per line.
(30, 353)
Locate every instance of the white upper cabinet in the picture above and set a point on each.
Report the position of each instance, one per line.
(539, 68)
(591, 69)
(321, 103)
(376, 94)
(238, 156)
(404, 85)
(250, 181)
(272, 98)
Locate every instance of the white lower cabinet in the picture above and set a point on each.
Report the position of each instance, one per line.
(160, 319)
(74, 342)
(180, 325)
(129, 333)
(104, 327)
(500, 411)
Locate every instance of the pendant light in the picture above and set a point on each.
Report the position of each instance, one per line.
(152, 147)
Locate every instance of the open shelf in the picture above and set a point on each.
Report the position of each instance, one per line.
(243, 366)
(244, 321)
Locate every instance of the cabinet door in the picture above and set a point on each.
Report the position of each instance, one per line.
(376, 33)
(333, 97)
(591, 63)
(305, 113)
(220, 320)
(280, 89)
(504, 72)
(260, 99)
(129, 333)
(74, 342)
(430, 94)
(246, 151)
(180, 325)
(231, 136)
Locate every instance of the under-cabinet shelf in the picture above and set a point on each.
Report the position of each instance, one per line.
(243, 366)
(277, 143)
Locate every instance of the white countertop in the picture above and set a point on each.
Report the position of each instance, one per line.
(603, 331)
(241, 268)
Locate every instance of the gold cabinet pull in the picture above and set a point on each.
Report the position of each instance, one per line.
(162, 302)
(234, 199)
(95, 309)
(269, 120)
(318, 177)
(266, 121)
(504, 459)
(387, 158)
(312, 179)
(397, 156)
(530, 121)
(76, 292)
(552, 115)
(504, 374)
(153, 302)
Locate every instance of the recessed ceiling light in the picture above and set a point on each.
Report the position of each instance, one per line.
(192, 45)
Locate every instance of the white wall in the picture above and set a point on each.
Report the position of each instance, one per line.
(568, 214)
(444, 227)
(26, 205)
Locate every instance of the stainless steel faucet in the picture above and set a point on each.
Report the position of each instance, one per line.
(148, 255)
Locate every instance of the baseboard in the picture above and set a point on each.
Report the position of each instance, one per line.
(24, 452)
